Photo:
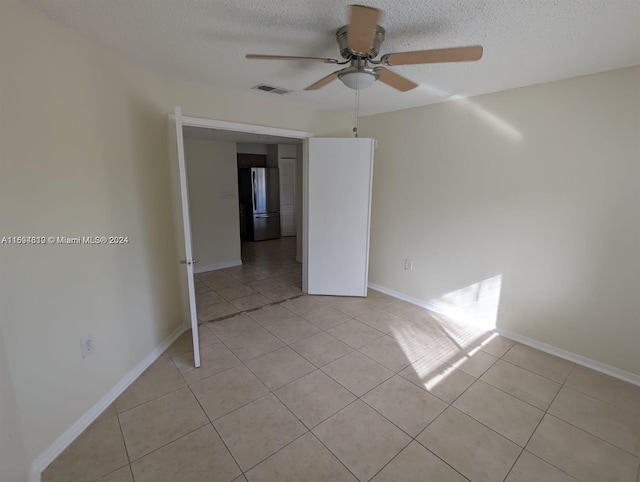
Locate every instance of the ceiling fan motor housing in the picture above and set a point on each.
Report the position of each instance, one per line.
(347, 53)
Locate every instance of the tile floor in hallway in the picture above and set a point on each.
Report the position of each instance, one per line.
(269, 273)
(345, 389)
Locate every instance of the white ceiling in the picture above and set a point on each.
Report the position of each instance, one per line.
(191, 132)
(526, 42)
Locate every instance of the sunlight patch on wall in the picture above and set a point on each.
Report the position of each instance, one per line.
(489, 117)
(475, 305)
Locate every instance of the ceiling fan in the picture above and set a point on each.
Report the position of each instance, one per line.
(359, 44)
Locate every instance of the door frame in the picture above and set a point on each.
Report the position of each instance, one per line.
(240, 127)
(268, 131)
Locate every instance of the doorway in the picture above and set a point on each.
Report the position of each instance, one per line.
(232, 274)
(321, 156)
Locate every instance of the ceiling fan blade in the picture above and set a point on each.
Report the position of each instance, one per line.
(362, 28)
(455, 54)
(323, 81)
(288, 57)
(394, 80)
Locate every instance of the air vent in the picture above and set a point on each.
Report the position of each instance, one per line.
(270, 88)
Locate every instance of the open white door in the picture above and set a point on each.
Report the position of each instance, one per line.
(337, 206)
(181, 201)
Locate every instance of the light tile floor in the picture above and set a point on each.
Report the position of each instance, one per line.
(345, 389)
(269, 273)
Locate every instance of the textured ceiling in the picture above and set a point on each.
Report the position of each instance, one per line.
(526, 42)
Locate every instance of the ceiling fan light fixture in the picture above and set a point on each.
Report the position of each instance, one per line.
(358, 80)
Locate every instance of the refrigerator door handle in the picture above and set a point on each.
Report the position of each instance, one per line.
(253, 187)
(266, 215)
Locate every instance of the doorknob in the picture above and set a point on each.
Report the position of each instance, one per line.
(193, 261)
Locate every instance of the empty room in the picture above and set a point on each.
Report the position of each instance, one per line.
(282, 241)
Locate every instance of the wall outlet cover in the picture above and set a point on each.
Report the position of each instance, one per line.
(86, 345)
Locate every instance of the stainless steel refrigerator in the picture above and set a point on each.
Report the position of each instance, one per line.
(259, 189)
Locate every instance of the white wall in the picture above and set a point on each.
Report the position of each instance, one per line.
(212, 171)
(288, 207)
(299, 194)
(83, 136)
(539, 185)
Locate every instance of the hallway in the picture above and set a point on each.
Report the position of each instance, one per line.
(269, 274)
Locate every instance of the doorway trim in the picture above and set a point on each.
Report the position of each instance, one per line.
(239, 127)
(262, 130)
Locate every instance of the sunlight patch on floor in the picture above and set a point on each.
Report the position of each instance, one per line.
(461, 322)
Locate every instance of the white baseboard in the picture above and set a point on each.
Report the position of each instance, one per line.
(525, 340)
(213, 267)
(57, 447)
(573, 357)
(400, 296)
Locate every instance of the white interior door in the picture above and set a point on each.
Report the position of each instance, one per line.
(287, 171)
(337, 206)
(181, 202)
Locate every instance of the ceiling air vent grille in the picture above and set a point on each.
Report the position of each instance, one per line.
(270, 88)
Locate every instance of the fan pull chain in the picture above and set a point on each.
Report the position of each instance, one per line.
(356, 110)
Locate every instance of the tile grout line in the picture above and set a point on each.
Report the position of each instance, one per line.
(199, 404)
(450, 404)
(544, 414)
(124, 442)
(308, 430)
(271, 392)
(172, 441)
(394, 373)
(536, 429)
(332, 454)
(373, 388)
(215, 430)
(582, 429)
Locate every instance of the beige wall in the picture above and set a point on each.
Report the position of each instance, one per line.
(539, 185)
(251, 148)
(12, 454)
(83, 151)
(212, 171)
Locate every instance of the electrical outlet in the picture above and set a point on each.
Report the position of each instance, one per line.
(86, 345)
(408, 264)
